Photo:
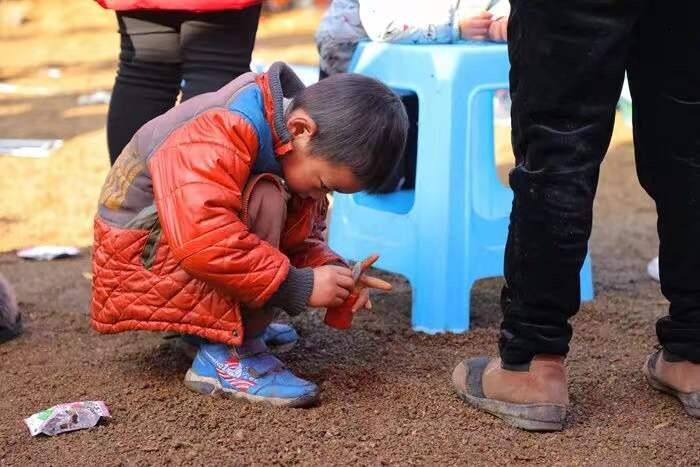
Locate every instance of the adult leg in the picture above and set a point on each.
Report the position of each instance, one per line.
(567, 67)
(148, 77)
(665, 86)
(216, 48)
(10, 316)
(669, 165)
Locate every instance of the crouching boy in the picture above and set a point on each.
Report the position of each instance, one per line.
(213, 217)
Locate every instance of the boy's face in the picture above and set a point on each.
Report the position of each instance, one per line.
(310, 175)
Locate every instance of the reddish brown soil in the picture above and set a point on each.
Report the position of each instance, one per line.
(386, 393)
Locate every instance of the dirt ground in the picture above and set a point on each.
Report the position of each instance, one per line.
(386, 397)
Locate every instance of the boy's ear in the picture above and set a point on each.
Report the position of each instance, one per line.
(300, 123)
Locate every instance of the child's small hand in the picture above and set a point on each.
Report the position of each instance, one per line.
(363, 301)
(365, 283)
(332, 285)
(475, 27)
(498, 31)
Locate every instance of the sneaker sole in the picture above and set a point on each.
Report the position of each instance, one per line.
(530, 417)
(689, 401)
(212, 387)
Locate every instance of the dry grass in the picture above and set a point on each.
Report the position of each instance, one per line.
(53, 200)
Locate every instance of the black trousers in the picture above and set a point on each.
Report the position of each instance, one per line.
(568, 62)
(165, 52)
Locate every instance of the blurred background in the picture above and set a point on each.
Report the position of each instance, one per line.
(58, 64)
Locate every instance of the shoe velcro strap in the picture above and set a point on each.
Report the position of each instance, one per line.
(260, 365)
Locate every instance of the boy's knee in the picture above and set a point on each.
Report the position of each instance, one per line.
(267, 210)
(268, 199)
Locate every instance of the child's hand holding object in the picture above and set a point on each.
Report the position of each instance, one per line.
(479, 26)
(332, 286)
(475, 26)
(340, 316)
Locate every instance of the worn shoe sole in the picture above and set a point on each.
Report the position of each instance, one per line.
(530, 417)
(212, 387)
(690, 401)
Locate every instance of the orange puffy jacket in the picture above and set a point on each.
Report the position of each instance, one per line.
(171, 251)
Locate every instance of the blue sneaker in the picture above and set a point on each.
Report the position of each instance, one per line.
(248, 372)
(280, 337)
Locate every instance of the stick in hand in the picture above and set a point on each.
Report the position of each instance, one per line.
(340, 317)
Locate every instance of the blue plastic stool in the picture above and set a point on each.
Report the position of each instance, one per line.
(451, 230)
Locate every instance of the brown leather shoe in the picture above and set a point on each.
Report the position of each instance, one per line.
(533, 397)
(679, 378)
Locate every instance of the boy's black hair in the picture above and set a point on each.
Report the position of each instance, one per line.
(361, 124)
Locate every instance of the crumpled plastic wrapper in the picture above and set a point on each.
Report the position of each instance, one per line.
(67, 417)
(48, 252)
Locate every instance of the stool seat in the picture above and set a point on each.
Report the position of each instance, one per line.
(451, 229)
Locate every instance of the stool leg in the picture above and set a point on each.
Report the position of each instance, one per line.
(441, 298)
(440, 282)
(587, 292)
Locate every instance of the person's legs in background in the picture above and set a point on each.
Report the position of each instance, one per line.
(216, 48)
(10, 316)
(562, 123)
(148, 79)
(567, 67)
(161, 50)
(664, 81)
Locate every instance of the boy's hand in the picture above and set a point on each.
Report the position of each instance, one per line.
(365, 283)
(498, 31)
(332, 285)
(475, 27)
(363, 301)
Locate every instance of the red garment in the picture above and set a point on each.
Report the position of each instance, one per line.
(179, 5)
(172, 250)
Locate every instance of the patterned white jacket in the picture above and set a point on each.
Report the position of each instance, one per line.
(346, 22)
